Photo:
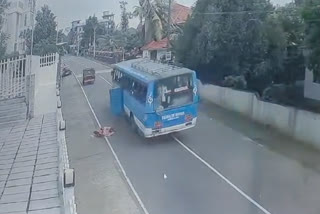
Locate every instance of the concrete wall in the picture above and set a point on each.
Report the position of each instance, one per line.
(311, 89)
(45, 100)
(301, 125)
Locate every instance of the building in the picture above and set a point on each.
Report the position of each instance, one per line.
(77, 30)
(157, 50)
(108, 21)
(17, 20)
(77, 26)
(180, 14)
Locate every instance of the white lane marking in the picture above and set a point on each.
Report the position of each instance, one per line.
(221, 176)
(165, 176)
(252, 141)
(105, 80)
(114, 153)
(103, 71)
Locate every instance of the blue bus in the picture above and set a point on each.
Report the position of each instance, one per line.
(157, 98)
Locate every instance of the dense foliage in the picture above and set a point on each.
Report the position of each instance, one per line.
(3, 36)
(92, 26)
(45, 33)
(124, 16)
(121, 38)
(247, 38)
(153, 16)
(311, 16)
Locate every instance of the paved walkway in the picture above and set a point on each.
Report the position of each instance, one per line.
(29, 167)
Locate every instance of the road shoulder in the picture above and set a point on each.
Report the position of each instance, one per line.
(264, 136)
(100, 186)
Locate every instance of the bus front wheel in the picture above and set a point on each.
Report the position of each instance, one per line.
(135, 127)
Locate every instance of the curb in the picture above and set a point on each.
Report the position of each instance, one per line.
(66, 189)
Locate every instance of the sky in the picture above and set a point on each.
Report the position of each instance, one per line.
(70, 10)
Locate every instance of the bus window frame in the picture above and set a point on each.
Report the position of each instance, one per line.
(157, 97)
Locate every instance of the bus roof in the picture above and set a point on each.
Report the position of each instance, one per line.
(147, 70)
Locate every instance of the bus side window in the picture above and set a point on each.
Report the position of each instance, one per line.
(139, 91)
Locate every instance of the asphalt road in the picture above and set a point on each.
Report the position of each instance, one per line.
(208, 169)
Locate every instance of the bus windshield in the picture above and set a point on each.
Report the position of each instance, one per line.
(174, 92)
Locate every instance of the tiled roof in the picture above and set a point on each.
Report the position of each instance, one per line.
(180, 13)
(156, 45)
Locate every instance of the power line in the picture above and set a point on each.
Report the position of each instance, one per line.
(292, 9)
(249, 12)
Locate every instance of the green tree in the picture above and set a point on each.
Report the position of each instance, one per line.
(154, 14)
(311, 16)
(91, 27)
(3, 37)
(62, 37)
(120, 40)
(293, 27)
(225, 38)
(124, 16)
(45, 33)
(257, 41)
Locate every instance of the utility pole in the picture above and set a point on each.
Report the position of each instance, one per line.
(28, 81)
(33, 6)
(94, 41)
(57, 38)
(169, 26)
(78, 43)
(169, 23)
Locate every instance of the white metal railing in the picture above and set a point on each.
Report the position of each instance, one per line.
(48, 60)
(13, 77)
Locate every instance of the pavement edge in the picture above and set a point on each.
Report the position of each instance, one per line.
(68, 198)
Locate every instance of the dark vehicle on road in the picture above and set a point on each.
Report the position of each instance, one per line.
(66, 72)
(89, 76)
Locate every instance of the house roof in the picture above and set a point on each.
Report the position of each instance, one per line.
(156, 45)
(180, 13)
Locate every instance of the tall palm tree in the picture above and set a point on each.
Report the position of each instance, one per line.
(153, 12)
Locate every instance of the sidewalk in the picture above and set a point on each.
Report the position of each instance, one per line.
(29, 167)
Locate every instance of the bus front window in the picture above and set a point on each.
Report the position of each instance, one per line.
(174, 92)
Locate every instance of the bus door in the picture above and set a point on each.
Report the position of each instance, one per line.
(116, 95)
(116, 100)
(135, 99)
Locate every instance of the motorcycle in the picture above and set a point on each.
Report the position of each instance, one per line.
(66, 72)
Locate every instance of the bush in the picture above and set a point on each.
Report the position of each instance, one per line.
(236, 82)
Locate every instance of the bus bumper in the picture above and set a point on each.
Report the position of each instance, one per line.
(148, 132)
